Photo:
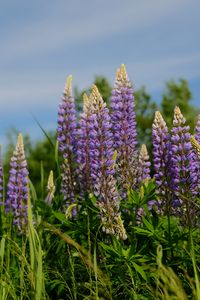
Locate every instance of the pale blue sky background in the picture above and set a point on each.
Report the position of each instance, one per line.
(41, 42)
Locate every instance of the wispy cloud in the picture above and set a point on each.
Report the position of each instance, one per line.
(42, 42)
(90, 21)
(45, 91)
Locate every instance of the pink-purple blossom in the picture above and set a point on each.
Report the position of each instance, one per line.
(17, 189)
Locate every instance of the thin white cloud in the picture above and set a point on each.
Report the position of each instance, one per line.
(61, 30)
(27, 92)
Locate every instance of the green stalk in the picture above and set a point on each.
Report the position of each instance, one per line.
(192, 253)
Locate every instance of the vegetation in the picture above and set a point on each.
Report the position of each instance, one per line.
(100, 227)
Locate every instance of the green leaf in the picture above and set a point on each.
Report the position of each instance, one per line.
(148, 224)
(140, 270)
(60, 216)
(143, 231)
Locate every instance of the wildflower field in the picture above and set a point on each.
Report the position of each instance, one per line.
(114, 220)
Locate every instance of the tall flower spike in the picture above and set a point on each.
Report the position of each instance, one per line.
(66, 135)
(143, 165)
(17, 191)
(101, 160)
(50, 189)
(66, 130)
(1, 179)
(185, 171)
(197, 135)
(124, 127)
(161, 161)
(195, 145)
(84, 134)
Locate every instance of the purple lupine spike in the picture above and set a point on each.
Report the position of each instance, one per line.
(143, 165)
(124, 127)
(100, 142)
(161, 161)
(66, 130)
(102, 166)
(1, 179)
(197, 129)
(196, 146)
(185, 172)
(84, 134)
(66, 136)
(17, 189)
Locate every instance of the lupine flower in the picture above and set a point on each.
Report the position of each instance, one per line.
(84, 135)
(50, 189)
(196, 141)
(197, 135)
(1, 179)
(17, 191)
(195, 145)
(102, 166)
(66, 135)
(161, 160)
(143, 170)
(66, 131)
(124, 128)
(185, 176)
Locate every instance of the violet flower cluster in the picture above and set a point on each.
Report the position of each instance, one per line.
(185, 177)
(17, 189)
(85, 134)
(1, 180)
(89, 147)
(197, 129)
(124, 129)
(162, 161)
(66, 133)
(101, 163)
(176, 169)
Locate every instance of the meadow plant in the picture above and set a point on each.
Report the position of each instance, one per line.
(197, 129)
(102, 166)
(124, 129)
(196, 146)
(143, 165)
(66, 136)
(162, 162)
(17, 189)
(70, 258)
(184, 166)
(85, 134)
(50, 189)
(1, 179)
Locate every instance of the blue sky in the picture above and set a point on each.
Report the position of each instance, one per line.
(44, 41)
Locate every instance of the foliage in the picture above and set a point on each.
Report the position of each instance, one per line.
(68, 256)
(178, 94)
